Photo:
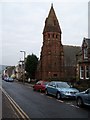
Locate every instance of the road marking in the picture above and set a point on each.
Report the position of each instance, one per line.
(74, 106)
(14, 111)
(69, 103)
(28, 87)
(60, 101)
(42, 94)
(15, 105)
(49, 97)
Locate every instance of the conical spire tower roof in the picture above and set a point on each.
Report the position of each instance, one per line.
(51, 23)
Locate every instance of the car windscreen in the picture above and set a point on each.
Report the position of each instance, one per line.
(62, 85)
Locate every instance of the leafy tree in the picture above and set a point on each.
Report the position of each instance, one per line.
(31, 65)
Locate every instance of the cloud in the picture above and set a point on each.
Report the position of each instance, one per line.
(24, 1)
(23, 24)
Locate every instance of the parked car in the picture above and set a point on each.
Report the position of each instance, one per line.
(2, 77)
(5, 78)
(61, 90)
(40, 86)
(8, 79)
(83, 98)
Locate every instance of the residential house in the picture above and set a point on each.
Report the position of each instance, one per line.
(19, 71)
(9, 71)
(83, 61)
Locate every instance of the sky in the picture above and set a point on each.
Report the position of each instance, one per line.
(88, 19)
(22, 23)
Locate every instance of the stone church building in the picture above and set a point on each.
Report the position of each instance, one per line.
(51, 63)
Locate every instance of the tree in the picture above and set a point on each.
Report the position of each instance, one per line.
(31, 65)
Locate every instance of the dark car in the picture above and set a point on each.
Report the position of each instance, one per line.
(83, 98)
(61, 90)
(8, 79)
(40, 86)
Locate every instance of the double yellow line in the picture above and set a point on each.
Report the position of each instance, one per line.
(21, 113)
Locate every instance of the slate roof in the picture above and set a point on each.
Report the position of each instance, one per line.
(70, 53)
(87, 40)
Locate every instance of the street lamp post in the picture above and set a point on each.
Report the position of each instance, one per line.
(24, 65)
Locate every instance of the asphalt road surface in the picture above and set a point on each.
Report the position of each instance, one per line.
(38, 105)
(7, 109)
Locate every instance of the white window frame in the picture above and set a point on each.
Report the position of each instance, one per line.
(86, 72)
(81, 72)
(85, 53)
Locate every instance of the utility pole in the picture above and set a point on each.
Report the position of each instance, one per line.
(24, 66)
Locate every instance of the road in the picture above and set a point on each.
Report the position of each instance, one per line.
(7, 109)
(38, 105)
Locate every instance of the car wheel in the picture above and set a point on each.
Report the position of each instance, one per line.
(46, 92)
(79, 102)
(58, 95)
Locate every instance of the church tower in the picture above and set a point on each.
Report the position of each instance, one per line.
(51, 64)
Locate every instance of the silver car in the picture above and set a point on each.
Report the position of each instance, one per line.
(83, 98)
(61, 90)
